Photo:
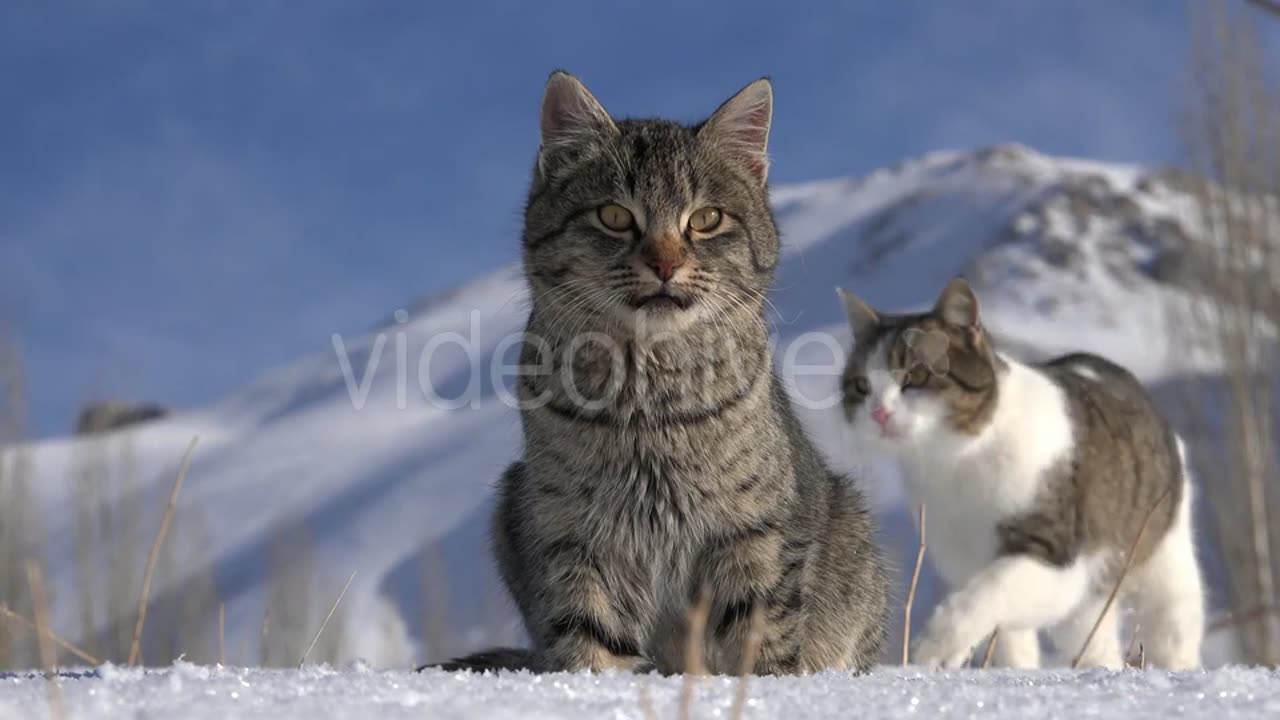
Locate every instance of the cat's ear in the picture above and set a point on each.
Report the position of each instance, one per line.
(571, 117)
(741, 127)
(957, 305)
(863, 319)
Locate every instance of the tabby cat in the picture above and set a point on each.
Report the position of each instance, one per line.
(662, 458)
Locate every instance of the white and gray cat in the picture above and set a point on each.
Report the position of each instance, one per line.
(1036, 481)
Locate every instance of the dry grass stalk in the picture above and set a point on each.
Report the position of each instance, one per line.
(48, 656)
(90, 659)
(325, 624)
(1133, 645)
(1124, 571)
(750, 651)
(1142, 657)
(435, 597)
(911, 592)
(222, 633)
(266, 631)
(135, 650)
(1230, 140)
(40, 607)
(694, 665)
(990, 655)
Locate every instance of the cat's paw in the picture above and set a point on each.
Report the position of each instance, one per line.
(939, 654)
(945, 643)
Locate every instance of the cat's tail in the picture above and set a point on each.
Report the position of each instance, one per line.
(493, 659)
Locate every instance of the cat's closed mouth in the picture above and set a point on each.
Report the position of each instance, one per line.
(662, 300)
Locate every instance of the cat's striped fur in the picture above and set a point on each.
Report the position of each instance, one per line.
(662, 456)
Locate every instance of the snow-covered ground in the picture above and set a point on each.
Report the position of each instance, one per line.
(192, 692)
(387, 481)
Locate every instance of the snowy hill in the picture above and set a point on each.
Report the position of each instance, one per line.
(394, 486)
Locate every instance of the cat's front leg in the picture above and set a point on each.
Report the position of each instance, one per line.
(1019, 592)
(756, 593)
(586, 615)
(577, 645)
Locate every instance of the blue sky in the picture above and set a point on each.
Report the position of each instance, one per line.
(192, 192)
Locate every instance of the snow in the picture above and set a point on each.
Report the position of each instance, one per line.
(193, 692)
(385, 458)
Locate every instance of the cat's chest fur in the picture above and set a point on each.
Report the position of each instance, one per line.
(650, 500)
(969, 485)
(648, 489)
(675, 457)
(669, 486)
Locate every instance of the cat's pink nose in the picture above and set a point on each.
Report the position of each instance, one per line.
(665, 269)
(881, 415)
(664, 254)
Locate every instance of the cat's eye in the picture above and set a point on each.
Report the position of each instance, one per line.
(705, 220)
(615, 217)
(862, 386)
